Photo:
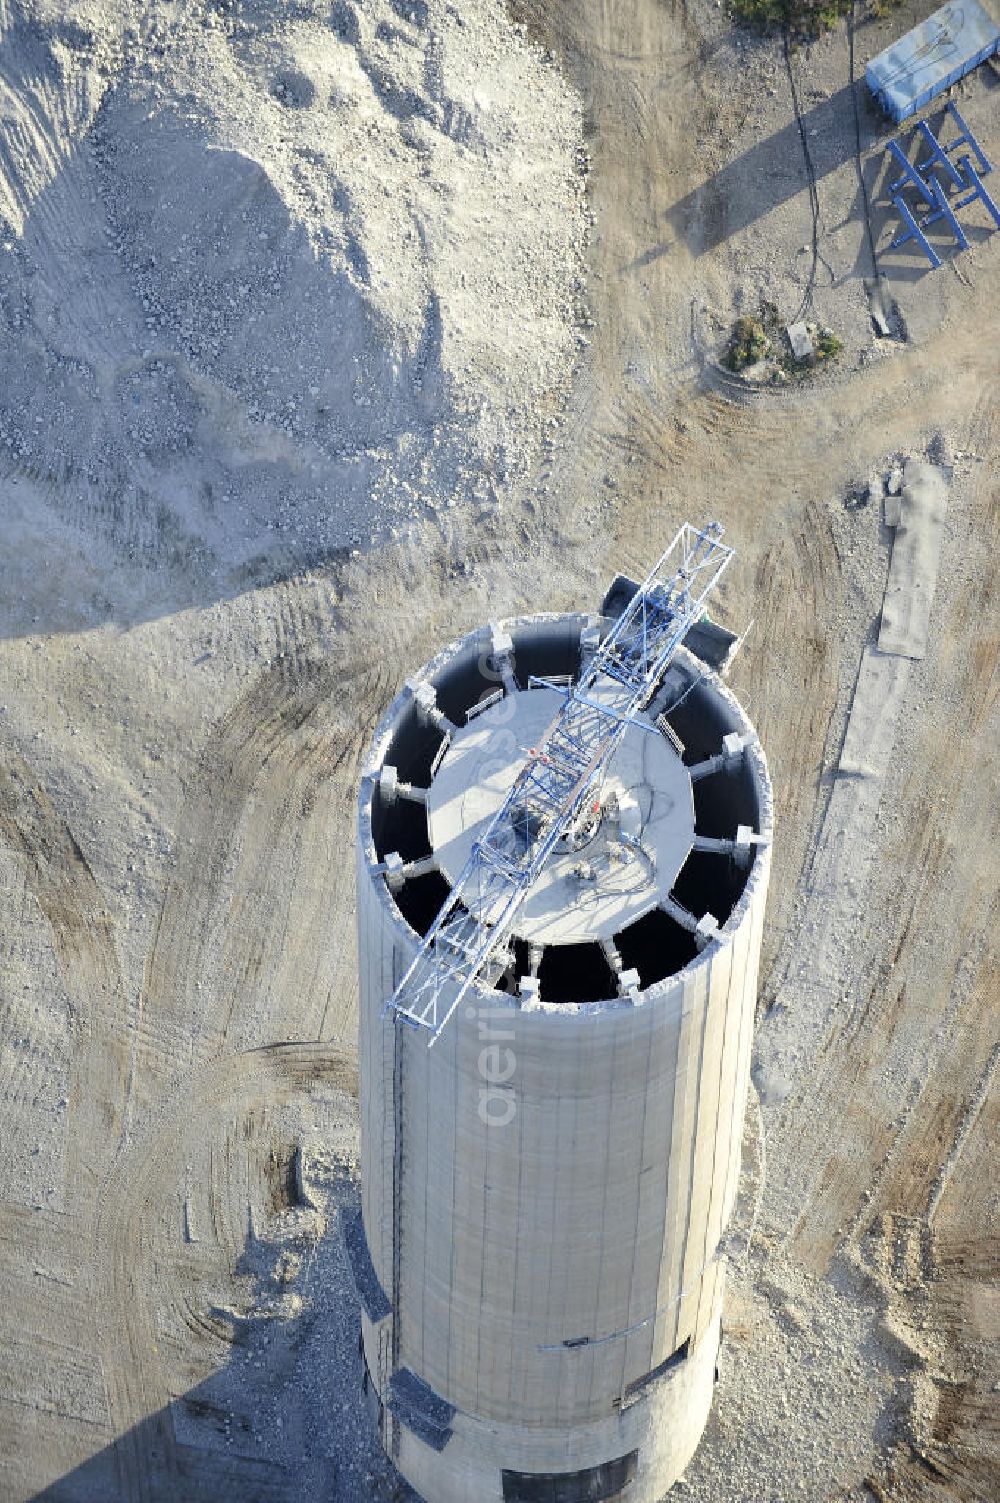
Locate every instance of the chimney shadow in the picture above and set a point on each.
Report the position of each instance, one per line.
(283, 1418)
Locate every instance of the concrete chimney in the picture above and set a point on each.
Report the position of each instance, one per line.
(546, 1190)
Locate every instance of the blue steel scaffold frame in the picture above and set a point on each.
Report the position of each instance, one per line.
(470, 933)
(966, 175)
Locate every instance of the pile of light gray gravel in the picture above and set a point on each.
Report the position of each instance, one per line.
(280, 278)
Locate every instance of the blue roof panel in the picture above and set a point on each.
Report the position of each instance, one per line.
(931, 57)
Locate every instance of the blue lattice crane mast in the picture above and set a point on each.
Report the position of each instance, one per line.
(469, 935)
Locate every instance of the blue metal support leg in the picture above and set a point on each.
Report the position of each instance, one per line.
(945, 210)
(914, 232)
(909, 176)
(938, 159)
(978, 191)
(966, 138)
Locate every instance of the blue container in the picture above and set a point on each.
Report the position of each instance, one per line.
(930, 58)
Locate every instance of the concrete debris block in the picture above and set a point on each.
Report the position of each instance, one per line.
(800, 340)
(303, 1196)
(877, 308)
(190, 1235)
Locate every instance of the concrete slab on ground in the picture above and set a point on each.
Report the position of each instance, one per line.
(909, 593)
(871, 727)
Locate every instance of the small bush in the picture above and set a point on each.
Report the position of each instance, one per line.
(804, 18)
(747, 344)
(753, 338)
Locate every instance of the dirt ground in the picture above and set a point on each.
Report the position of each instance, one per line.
(179, 755)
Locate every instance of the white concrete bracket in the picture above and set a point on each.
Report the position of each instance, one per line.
(706, 930)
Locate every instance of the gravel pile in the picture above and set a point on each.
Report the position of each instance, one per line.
(282, 278)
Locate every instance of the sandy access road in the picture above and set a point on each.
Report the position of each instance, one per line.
(178, 786)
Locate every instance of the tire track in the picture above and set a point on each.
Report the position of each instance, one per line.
(891, 1085)
(84, 941)
(301, 728)
(135, 1284)
(49, 100)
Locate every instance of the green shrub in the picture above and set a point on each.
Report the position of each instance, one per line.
(804, 18)
(753, 338)
(747, 344)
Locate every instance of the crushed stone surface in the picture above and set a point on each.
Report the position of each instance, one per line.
(279, 280)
